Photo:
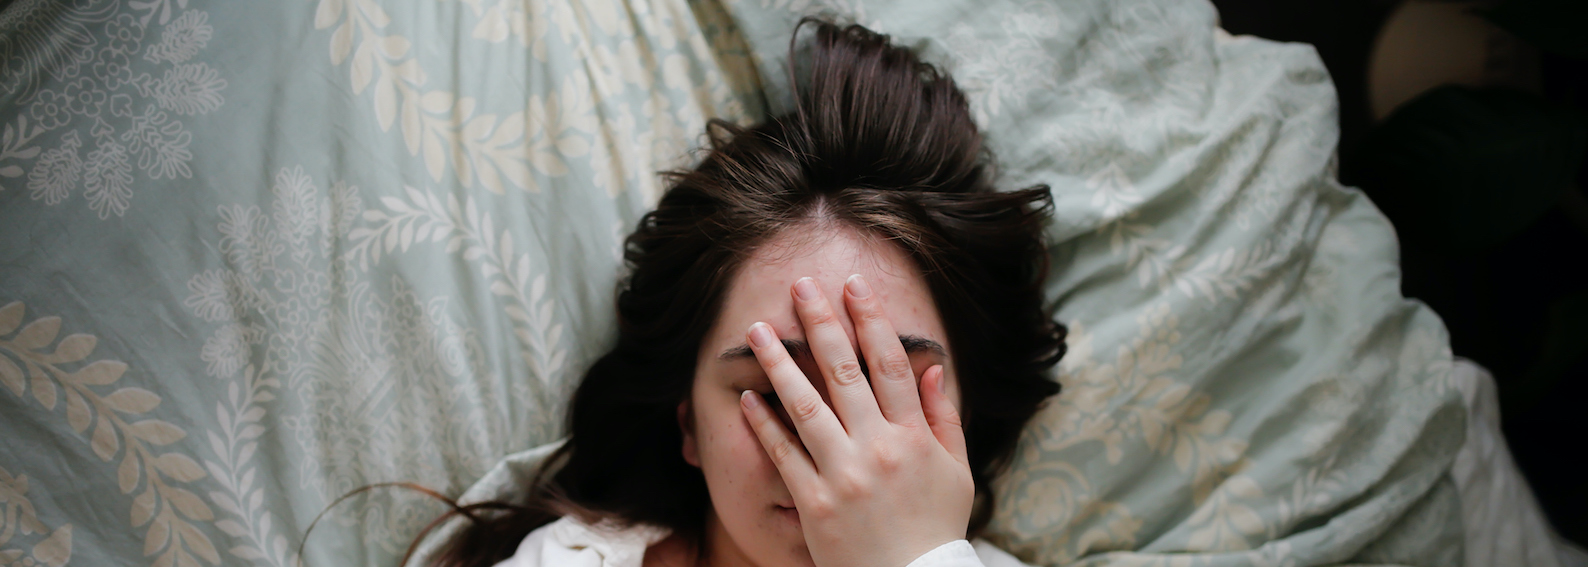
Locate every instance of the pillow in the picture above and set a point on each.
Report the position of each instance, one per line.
(1245, 384)
(265, 253)
(259, 254)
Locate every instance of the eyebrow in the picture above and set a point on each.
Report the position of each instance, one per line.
(797, 348)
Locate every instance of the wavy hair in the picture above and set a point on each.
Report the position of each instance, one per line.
(879, 142)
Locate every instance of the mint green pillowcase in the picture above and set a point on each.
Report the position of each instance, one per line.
(1245, 384)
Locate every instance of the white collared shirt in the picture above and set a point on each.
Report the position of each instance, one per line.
(569, 542)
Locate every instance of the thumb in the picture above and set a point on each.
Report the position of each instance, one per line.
(941, 415)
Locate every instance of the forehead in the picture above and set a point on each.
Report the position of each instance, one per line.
(760, 290)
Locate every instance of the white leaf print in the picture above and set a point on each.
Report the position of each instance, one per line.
(182, 39)
(57, 171)
(190, 88)
(108, 178)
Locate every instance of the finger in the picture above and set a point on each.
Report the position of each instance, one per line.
(846, 384)
(815, 423)
(791, 460)
(941, 415)
(892, 379)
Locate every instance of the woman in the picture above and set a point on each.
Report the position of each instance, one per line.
(810, 316)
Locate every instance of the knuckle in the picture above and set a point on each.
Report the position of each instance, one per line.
(846, 372)
(889, 459)
(805, 408)
(895, 364)
(820, 506)
(782, 451)
(851, 485)
(869, 313)
(820, 317)
(785, 365)
(771, 357)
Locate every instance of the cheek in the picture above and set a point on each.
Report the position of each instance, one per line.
(730, 451)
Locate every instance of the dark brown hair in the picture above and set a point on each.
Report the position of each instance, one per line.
(879, 142)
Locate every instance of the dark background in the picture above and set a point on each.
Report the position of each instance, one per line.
(1513, 307)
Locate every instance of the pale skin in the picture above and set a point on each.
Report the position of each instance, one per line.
(838, 470)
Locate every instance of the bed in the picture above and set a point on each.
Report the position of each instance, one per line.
(254, 255)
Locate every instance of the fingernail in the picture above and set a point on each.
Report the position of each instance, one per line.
(857, 287)
(749, 400)
(942, 385)
(760, 335)
(805, 288)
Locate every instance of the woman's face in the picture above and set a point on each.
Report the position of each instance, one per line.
(752, 520)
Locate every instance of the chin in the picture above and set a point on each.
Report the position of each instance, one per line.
(792, 541)
(800, 556)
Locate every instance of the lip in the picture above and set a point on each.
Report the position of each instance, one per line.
(789, 513)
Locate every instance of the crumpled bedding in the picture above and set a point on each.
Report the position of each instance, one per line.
(254, 255)
(1246, 385)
